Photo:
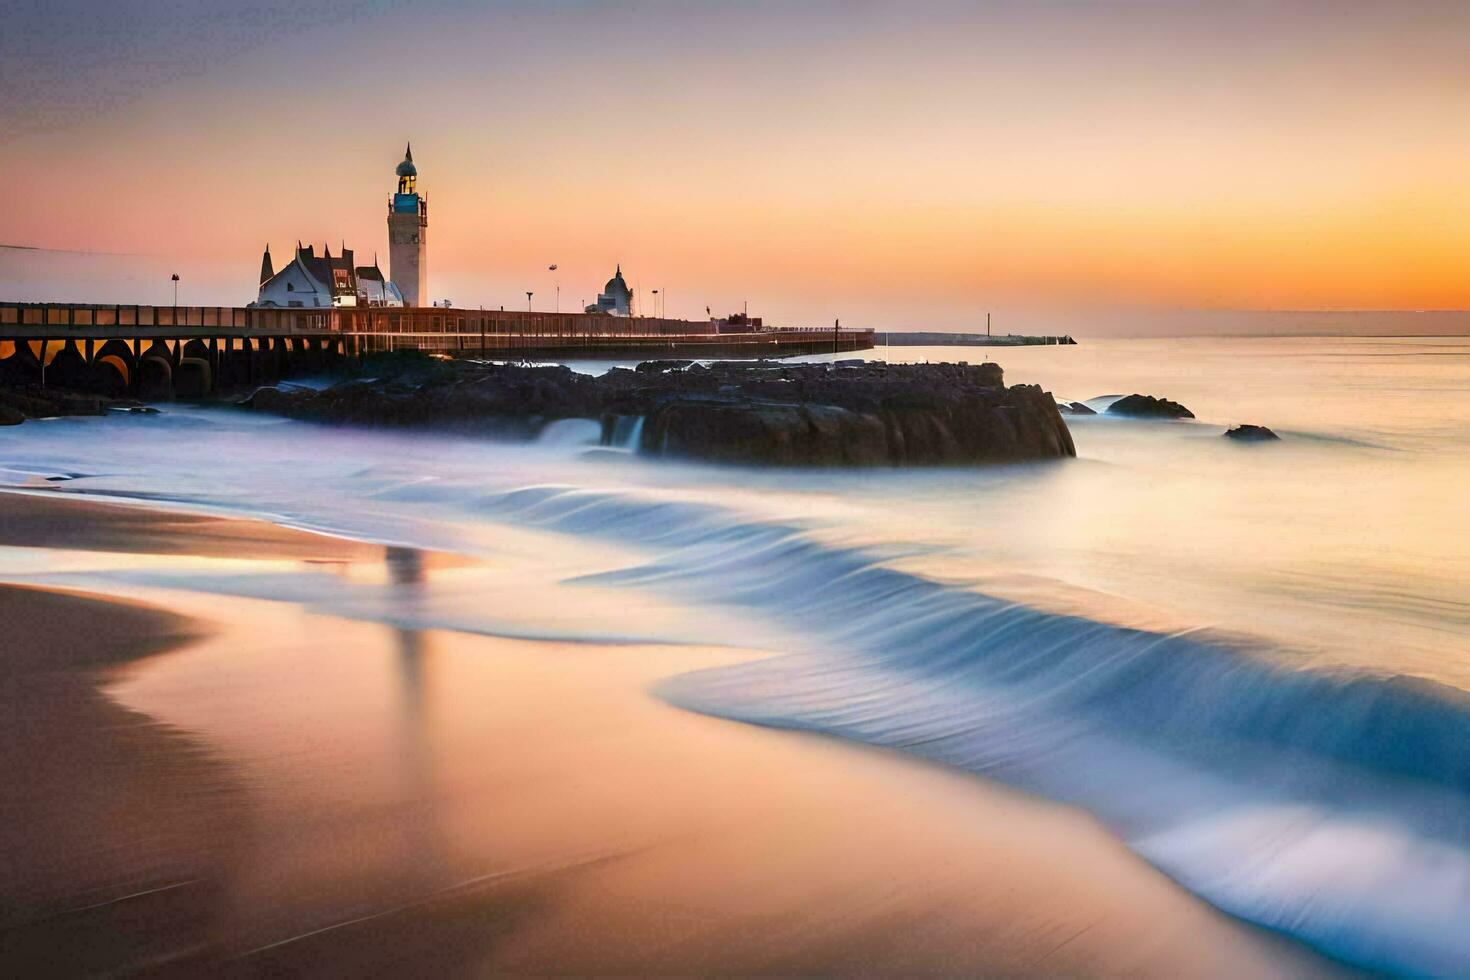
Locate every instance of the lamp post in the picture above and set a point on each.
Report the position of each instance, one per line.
(176, 288)
(552, 268)
(529, 294)
(655, 304)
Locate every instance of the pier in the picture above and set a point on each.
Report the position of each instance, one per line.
(157, 351)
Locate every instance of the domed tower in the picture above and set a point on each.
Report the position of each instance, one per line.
(408, 227)
(616, 298)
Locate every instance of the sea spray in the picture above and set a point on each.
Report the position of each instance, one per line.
(570, 432)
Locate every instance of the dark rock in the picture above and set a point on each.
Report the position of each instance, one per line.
(1251, 433)
(1074, 408)
(1149, 407)
(75, 402)
(271, 399)
(659, 367)
(31, 401)
(783, 414)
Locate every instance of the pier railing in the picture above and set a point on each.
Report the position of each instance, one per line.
(43, 321)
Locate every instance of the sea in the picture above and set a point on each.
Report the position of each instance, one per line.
(1250, 662)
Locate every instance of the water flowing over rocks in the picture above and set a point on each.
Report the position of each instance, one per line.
(1149, 407)
(852, 413)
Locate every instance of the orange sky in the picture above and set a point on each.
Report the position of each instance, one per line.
(894, 164)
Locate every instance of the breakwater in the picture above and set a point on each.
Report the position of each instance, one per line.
(933, 338)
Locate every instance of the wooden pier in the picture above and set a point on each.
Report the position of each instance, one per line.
(195, 350)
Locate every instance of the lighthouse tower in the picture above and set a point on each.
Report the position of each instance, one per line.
(408, 226)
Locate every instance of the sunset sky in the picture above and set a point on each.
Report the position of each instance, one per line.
(896, 164)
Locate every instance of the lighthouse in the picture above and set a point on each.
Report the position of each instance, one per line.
(408, 226)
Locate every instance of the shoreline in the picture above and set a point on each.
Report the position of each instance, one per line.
(86, 775)
(549, 847)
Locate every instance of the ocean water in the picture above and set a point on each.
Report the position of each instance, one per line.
(1249, 662)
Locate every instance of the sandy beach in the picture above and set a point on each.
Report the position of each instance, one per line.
(249, 786)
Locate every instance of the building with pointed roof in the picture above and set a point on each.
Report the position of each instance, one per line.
(316, 281)
(408, 234)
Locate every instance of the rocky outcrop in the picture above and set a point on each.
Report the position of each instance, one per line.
(1149, 407)
(992, 426)
(1251, 433)
(1074, 408)
(853, 414)
(21, 402)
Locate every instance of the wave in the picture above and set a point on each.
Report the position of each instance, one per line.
(570, 432)
(1329, 805)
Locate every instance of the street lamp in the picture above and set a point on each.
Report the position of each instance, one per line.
(655, 304)
(552, 268)
(176, 288)
(529, 294)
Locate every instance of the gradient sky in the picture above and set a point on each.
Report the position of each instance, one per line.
(895, 164)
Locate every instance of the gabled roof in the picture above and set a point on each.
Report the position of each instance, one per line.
(319, 269)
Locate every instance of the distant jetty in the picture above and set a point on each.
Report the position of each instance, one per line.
(931, 338)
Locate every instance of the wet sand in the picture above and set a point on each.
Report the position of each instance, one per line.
(116, 834)
(283, 792)
(58, 520)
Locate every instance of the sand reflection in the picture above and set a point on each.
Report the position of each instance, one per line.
(508, 804)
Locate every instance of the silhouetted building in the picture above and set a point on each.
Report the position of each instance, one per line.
(616, 299)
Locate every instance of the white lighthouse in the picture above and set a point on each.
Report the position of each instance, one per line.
(408, 227)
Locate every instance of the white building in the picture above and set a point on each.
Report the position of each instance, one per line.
(315, 281)
(616, 299)
(374, 290)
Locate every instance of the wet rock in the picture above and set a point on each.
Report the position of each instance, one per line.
(1251, 433)
(659, 367)
(272, 399)
(1074, 408)
(1149, 407)
(31, 401)
(858, 414)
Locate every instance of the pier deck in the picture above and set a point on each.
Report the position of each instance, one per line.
(116, 347)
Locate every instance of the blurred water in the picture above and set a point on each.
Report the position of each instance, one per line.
(1248, 660)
